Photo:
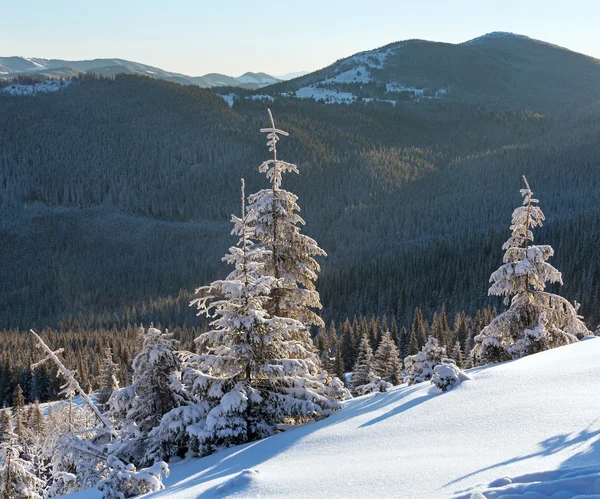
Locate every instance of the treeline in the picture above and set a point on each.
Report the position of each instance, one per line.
(85, 347)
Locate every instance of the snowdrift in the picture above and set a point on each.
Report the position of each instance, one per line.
(536, 420)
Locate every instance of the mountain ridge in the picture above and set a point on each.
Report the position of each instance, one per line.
(17, 66)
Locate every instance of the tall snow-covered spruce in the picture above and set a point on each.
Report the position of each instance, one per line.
(536, 320)
(256, 369)
(290, 257)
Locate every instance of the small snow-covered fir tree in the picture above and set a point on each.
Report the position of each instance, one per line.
(125, 481)
(290, 257)
(19, 416)
(35, 419)
(457, 355)
(536, 320)
(386, 362)
(108, 378)
(5, 422)
(445, 376)
(375, 384)
(17, 479)
(156, 389)
(362, 373)
(420, 367)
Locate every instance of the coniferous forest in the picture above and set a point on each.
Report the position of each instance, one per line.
(380, 251)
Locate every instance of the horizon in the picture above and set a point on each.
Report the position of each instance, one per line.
(226, 41)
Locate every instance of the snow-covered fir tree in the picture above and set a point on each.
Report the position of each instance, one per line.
(445, 376)
(256, 369)
(457, 355)
(17, 479)
(5, 421)
(386, 362)
(420, 367)
(35, 419)
(19, 416)
(124, 480)
(290, 254)
(156, 389)
(363, 368)
(108, 378)
(536, 320)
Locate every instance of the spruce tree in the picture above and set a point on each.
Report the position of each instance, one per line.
(155, 390)
(108, 378)
(256, 370)
(420, 367)
(19, 412)
(536, 320)
(363, 368)
(17, 479)
(290, 254)
(457, 355)
(386, 362)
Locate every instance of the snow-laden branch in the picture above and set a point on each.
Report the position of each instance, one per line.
(71, 380)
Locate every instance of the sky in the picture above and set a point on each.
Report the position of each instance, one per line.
(277, 37)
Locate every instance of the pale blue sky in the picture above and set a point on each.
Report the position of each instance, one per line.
(235, 36)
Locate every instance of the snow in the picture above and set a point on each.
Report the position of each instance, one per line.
(40, 87)
(373, 58)
(535, 419)
(330, 96)
(359, 74)
(229, 98)
(263, 97)
(418, 93)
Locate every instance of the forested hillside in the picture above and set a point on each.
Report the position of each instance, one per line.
(116, 196)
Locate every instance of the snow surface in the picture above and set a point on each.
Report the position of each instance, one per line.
(359, 74)
(40, 87)
(536, 419)
(229, 98)
(263, 97)
(330, 96)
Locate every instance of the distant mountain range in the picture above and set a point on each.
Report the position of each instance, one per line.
(498, 68)
(12, 67)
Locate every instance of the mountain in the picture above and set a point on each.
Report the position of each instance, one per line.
(116, 194)
(13, 67)
(522, 429)
(291, 76)
(500, 69)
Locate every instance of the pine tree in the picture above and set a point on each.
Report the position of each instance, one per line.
(290, 256)
(386, 363)
(536, 320)
(363, 368)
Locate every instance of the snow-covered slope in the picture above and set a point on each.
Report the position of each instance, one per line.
(538, 414)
